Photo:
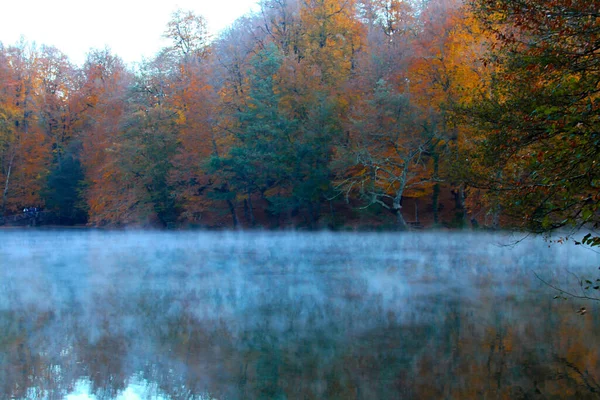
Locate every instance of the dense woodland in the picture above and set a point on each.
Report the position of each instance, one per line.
(317, 114)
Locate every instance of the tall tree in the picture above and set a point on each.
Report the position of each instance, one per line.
(283, 139)
(193, 99)
(332, 38)
(104, 93)
(257, 161)
(59, 117)
(188, 34)
(281, 25)
(445, 73)
(540, 118)
(387, 155)
(25, 152)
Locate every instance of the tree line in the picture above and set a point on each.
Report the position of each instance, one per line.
(308, 112)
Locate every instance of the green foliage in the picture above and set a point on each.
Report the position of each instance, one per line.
(149, 146)
(540, 119)
(63, 195)
(359, 93)
(589, 240)
(281, 155)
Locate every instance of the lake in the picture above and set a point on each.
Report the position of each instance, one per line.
(283, 315)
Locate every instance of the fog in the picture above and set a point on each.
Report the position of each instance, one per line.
(227, 315)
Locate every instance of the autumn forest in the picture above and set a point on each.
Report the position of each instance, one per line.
(317, 114)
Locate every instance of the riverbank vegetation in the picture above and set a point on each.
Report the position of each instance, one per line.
(318, 113)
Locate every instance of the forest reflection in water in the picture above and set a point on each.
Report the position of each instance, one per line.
(180, 315)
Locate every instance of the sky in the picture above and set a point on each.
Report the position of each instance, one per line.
(132, 29)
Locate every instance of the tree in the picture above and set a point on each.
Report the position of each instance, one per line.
(318, 114)
(8, 127)
(188, 34)
(60, 117)
(193, 98)
(63, 194)
(387, 155)
(145, 156)
(540, 117)
(445, 73)
(24, 149)
(282, 140)
(104, 93)
(282, 25)
(57, 83)
(332, 38)
(257, 161)
(391, 28)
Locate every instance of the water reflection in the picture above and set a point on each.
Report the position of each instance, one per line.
(290, 315)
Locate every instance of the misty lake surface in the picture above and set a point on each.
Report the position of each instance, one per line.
(282, 315)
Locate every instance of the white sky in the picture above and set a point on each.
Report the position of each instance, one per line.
(131, 28)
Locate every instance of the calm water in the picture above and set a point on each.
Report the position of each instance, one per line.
(159, 315)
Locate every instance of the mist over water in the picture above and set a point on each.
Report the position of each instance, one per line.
(284, 315)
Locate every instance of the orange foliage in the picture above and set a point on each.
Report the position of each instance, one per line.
(108, 194)
(195, 100)
(24, 149)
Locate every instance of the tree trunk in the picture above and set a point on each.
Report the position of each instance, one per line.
(435, 197)
(6, 183)
(496, 207)
(249, 212)
(496, 217)
(436, 203)
(401, 224)
(463, 206)
(459, 204)
(313, 215)
(397, 204)
(332, 212)
(233, 214)
(417, 210)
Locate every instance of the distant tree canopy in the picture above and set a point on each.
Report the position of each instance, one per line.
(318, 113)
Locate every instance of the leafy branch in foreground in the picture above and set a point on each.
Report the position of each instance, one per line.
(539, 118)
(585, 285)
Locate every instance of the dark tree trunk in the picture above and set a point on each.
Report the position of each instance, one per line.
(496, 217)
(332, 212)
(6, 184)
(417, 210)
(234, 216)
(435, 197)
(436, 203)
(249, 211)
(401, 224)
(313, 215)
(463, 207)
(459, 204)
